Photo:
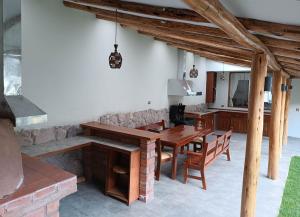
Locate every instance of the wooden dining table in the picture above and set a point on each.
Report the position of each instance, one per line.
(178, 137)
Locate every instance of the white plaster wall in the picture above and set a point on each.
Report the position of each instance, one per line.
(199, 83)
(294, 115)
(65, 65)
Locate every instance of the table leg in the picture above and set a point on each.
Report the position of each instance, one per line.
(174, 162)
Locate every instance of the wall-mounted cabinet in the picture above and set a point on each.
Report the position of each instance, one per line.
(211, 84)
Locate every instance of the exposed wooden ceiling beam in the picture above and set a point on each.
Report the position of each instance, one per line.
(293, 72)
(288, 60)
(166, 12)
(285, 53)
(233, 54)
(133, 22)
(280, 43)
(214, 11)
(258, 26)
(293, 67)
(183, 27)
(201, 35)
(212, 56)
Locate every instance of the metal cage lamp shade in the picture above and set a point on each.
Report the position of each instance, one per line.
(115, 58)
(194, 72)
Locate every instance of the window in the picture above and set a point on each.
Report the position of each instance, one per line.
(239, 90)
(239, 86)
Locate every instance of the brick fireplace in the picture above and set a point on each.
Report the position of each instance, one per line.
(39, 196)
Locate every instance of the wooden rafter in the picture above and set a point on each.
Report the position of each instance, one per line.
(191, 33)
(257, 26)
(233, 54)
(212, 56)
(214, 11)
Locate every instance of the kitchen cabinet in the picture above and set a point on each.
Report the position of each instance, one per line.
(209, 120)
(211, 84)
(238, 121)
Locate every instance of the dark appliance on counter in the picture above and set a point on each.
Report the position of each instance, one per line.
(177, 115)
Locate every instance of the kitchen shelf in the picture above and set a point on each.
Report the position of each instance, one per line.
(120, 170)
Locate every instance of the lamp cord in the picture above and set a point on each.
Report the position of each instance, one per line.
(116, 32)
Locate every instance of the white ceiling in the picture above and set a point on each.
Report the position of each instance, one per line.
(280, 11)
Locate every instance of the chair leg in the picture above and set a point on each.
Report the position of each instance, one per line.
(186, 173)
(203, 179)
(157, 171)
(228, 154)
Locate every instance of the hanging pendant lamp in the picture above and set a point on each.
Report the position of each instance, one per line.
(115, 58)
(194, 72)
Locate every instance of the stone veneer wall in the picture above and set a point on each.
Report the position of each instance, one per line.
(72, 162)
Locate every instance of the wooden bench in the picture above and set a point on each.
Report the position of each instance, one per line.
(201, 160)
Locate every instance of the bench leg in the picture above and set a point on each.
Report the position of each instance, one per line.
(203, 179)
(186, 173)
(182, 150)
(158, 160)
(228, 154)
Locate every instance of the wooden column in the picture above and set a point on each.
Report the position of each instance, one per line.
(286, 112)
(254, 136)
(283, 102)
(274, 146)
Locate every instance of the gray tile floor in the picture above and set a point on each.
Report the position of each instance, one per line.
(173, 198)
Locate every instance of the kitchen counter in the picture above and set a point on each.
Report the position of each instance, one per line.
(232, 109)
(216, 110)
(229, 118)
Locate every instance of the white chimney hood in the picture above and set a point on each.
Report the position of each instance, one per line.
(181, 86)
(178, 87)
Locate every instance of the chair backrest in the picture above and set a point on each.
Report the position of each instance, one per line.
(209, 151)
(200, 123)
(227, 139)
(221, 143)
(155, 127)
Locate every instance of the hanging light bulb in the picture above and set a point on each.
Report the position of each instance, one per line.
(194, 72)
(115, 58)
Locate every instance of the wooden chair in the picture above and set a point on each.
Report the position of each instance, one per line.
(201, 160)
(162, 156)
(200, 123)
(225, 147)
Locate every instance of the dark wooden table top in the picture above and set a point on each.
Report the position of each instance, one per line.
(181, 135)
(128, 132)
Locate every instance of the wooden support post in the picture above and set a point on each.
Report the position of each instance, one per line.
(254, 136)
(286, 112)
(274, 146)
(283, 102)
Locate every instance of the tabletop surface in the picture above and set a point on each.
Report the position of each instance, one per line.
(181, 134)
(134, 133)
